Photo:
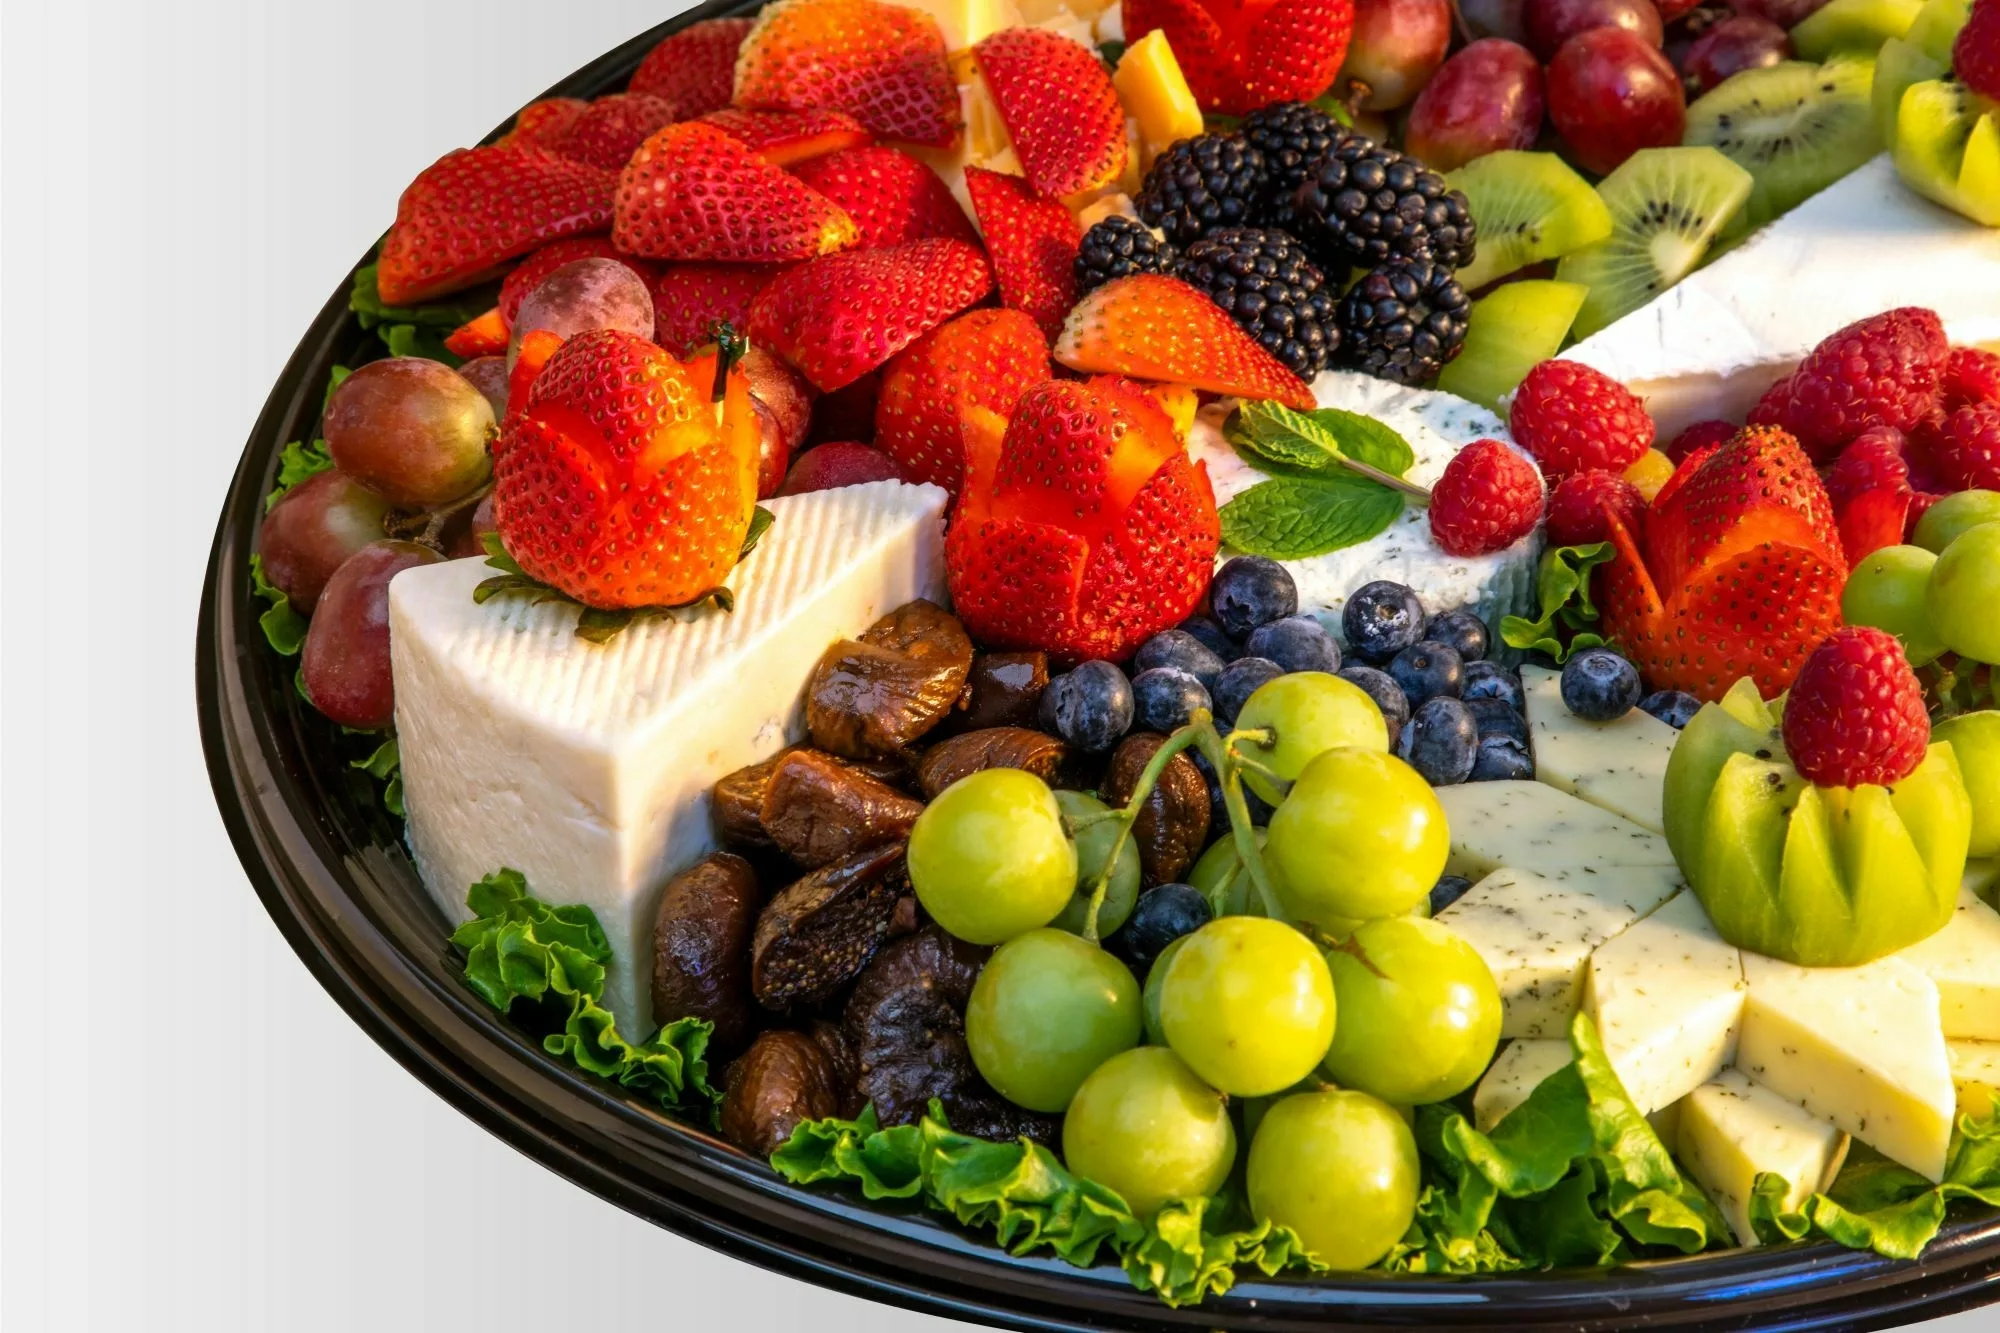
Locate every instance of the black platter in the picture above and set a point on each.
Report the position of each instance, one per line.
(332, 872)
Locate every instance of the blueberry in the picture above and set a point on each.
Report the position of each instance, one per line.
(1380, 620)
(1490, 680)
(1383, 689)
(1428, 670)
(1162, 915)
(1600, 686)
(1249, 591)
(1464, 631)
(1212, 637)
(1296, 643)
(1164, 698)
(1448, 890)
(1218, 808)
(1440, 741)
(1676, 708)
(1238, 681)
(1091, 707)
(1502, 759)
(1182, 650)
(1495, 718)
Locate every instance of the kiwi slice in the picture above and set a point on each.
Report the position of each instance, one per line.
(1528, 207)
(1857, 26)
(1512, 330)
(1797, 128)
(1948, 148)
(1667, 206)
(1899, 65)
(1936, 27)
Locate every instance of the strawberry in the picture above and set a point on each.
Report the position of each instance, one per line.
(1032, 242)
(825, 467)
(1084, 528)
(1062, 115)
(475, 208)
(1206, 54)
(1159, 328)
(881, 63)
(537, 346)
(1239, 55)
(1689, 466)
(527, 275)
(841, 316)
(693, 192)
(620, 481)
(695, 68)
(786, 138)
(542, 123)
(984, 359)
(611, 129)
(484, 336)
(688, 300)
(891, 196)
(1856, 713)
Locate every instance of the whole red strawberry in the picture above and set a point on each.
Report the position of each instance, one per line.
(891, 196)
(1238, 57)
(1574, 418)
(695, 68)
(1699, 435)
(1856, 713)
(1879, 371)
(690, 299)
(611, 129)
(791, 138)
(1154, 327)
(1965, 450)
(1581, 506)
(1062, 114)
(693, 192)
(542, 123)
(1971, 375)
(1975, 53)
(1488, 498)
(983, 360)
(1032, 242)
(527, 275)
(881, 63)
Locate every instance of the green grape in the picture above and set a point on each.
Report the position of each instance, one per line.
(1419, 1012)
(1093, 848)
(1145, 1126)
(1048, 1008)
(1975, 743)
(1947, 520)
(1361, 836)
(1156, 977)
(989, 858)
(1963, 601)
(1221, 877)
(1340, 1169)
(1886, 590)
(1308, 713)
(1248, 1004)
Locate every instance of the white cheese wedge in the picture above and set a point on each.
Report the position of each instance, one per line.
(1975, 1075)
(1731, 1130)
(587, 767)
(1859, 1047)
(1963, 959)
(1710, 345)
(1532, 826)
(1517, 1071)
(1621, 765)
(1667, 997)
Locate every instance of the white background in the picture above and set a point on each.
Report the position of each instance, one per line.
(194, 1136)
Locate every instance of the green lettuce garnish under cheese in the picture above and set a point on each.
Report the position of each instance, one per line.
(1336, 480)
(385, 764)
(1562, 587)
(519, 948)
(284, 629)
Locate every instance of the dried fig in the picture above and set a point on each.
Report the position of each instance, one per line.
(819, 810)
(814, 937)
(870, 697)
(995, 747)
(831, 1038)
(737, 801)
(1004, 690)
(1173, 823)
(701, 949)
(784, 1078)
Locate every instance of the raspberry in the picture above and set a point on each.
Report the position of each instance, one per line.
(1971, 375)
(1873, 462)
(1856, 712)
(1573, 418)
(1700, 434)
(1488, 498)
(1975, 55)
(1580, 506)
(1965, 451)
(1771, 408)
(1879, 371)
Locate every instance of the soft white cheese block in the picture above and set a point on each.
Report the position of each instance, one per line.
(1859, 1047)
(1975, 1075)
(1667, 997)
(1517, 1071)
(1619, 765)
(1533, 826)
(1731, 1130)
(1963, 959)
(1437, 426)
(587, 767)
(1711, 344)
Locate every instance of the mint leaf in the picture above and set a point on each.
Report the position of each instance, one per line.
(284, 629)
(1296, 517)
(1316, 441)
(1562, 587)
(296, 463)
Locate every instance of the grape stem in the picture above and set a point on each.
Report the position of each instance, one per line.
(1228, 770)
(1346, 946)
(427, 526)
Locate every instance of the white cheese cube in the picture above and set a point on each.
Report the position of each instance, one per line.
(1619, 765)
(1667, 998)
(1975, 1075)
(1517, 1071)
(1859, 1047)
(1963, 959)
(1532, 826)
(1731, 1130)
(587, 767)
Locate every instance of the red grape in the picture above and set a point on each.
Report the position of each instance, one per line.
(410, 429)
(488, 374)
(1673, 9)
(838, 463)
(1494, 18)
(1740, 42)
(311, 532)
(1487, 97)
(1784, 13)
(346, 659)
(582, 295)
(477, 525)
(1551, 23)
(1396, 47)
(784, 403)
(1612, 93)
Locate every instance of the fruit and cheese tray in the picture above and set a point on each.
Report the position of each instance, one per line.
(1225, 638)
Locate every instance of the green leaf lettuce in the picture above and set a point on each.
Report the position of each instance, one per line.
(1562, 587)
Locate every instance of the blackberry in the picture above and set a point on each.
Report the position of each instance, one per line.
(1118, 247)
(1273, 291)
(1404, 320)
(1368, 203)
(1203, 183)
(1292, 137)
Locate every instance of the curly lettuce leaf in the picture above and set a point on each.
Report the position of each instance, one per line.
(385, 764)
(284, 629)
(365, 300)
(1562, 589)
(297, 462)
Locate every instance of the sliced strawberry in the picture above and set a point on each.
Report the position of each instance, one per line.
(1061, 112)
(611, 129)
(1032, 242)
(1018, 582)
(695, 68)
(883, 64)
(689, 299)
(537, 346)
(1759, 487)
(841, 316)
(1159, 328)
(1199, 45)
(484, 336)
(984, 359)
(542, 123)
(693, 192)
(891, 196)
(475, 208)
(527, 275)
(1688, 467)
(1294, 50)
(786, 138)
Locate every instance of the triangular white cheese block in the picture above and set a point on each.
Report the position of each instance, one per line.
(1731, 1131)
(1532, 826)
(1620, 765)
(1963, 959)
(1667, 997)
